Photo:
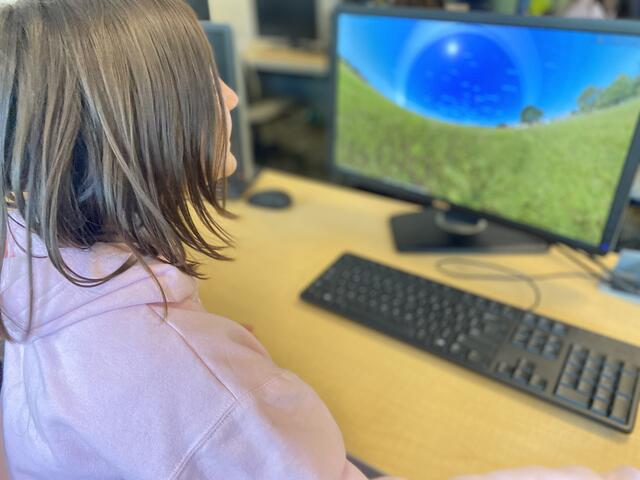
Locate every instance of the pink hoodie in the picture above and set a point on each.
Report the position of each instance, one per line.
(104, 388)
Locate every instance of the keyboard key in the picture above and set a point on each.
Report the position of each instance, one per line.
(475, 356)
(526, 366)
(579, 353)
(569, 380)
(606, 382)
(481, 344)
(489, 317)
(620, 409)
(534, 348)
(604, 394)
(520, 342)
(509, 312)
(585, 387)
(529, 319)
(493, 330)
(525, 331)
(611, 369)
(544, 324)
(504, 369)
(521, 376)
(559, 329)
(554, 340)
(600, 407)
(592, 365)
(626, 384)
(537, 382)
(456, 349)
(573, 369)
(539, 337)
(440, 343)
(590, 377)
(573, 396)
(551, 351)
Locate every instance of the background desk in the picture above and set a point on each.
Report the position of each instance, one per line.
(289, 89)
(269, 57)
(404, 411)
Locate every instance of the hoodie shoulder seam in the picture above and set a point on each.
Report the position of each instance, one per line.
(211, 431)
(193, 350)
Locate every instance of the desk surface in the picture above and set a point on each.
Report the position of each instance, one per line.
(269, 57)
(402, 410)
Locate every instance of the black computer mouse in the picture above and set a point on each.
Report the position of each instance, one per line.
(275, 199)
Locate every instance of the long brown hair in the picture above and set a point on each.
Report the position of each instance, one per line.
(112, 129)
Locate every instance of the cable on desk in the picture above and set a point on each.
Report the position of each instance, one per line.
(606, 275)
(506, 275)
(570, 253)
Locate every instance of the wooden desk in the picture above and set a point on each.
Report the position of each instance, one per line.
(404, 411)
(269, 57)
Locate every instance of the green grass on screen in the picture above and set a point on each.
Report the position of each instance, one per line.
(560, 176)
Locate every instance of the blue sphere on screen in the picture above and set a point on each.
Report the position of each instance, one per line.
(466, 78)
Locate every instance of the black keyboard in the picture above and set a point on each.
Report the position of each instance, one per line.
(590, 374)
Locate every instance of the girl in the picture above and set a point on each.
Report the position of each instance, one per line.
(114, 140)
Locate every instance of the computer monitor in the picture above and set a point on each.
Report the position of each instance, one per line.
(293, 20)
(201, 7)
(529, 123)
(227, 61)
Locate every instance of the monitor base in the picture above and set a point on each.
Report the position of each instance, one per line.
(424, 232)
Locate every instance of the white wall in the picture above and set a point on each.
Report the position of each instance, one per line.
(237, 13)
(240, 15)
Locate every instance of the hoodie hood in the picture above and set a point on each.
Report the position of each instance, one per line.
(58, 303)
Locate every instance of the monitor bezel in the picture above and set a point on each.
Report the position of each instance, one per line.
(345, 176)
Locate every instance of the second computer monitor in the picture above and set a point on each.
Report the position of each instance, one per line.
(527, 121)
(292, 20)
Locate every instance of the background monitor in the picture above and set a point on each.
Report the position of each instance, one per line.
(201, 7)
(221, 39)
(530, 122)
(293, 20)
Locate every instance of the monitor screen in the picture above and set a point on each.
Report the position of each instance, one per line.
(291, 19)
(521, 123)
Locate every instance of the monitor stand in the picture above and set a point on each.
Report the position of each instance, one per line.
(435, 231)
